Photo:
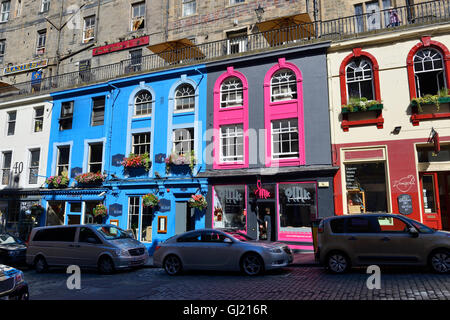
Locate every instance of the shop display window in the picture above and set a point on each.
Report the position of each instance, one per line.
(298, 206)
(366, 187)
(230, 207)
(55, 213)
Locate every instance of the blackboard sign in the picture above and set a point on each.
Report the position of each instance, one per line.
(405, 204)
(350, 173)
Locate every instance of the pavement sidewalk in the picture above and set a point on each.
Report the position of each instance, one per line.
(300, 260)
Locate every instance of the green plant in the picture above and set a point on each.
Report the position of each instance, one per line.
(362, 103)
(150, 200)
(58, 181)
(427, 99)
(181, 159)
(100, 210)
(198, 201)
(136, 161)
(90, 177)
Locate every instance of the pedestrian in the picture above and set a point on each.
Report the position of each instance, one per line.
(268, 224)
(394, 20)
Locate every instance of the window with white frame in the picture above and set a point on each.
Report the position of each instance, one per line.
(6, 167)
(189, 7)
(232, 143)
(45, 5)
(34, 166)
(41, 39)
(11, 123)
(38, 121)
(429, 72)
(133, 215)
(183, 141)
(146, 224)
(95, 159)
(359, 78)
(2, 49)
(141, 143)
(65, 120)
(62, 159)
(285, 139)
(231, 93)
(184, 98)
(89, 29)
(237, 41)
(283, 85)
(137, 16)
(98, 111)
(4, 11)
(236, 1)
(135, 60)
(143, 103)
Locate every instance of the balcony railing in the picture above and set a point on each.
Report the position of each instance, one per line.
(426, 13)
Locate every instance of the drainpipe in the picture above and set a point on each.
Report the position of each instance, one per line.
(59, 37)
(109, 133)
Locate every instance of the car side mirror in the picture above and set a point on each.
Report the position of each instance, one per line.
(413, 232)
(228, 240)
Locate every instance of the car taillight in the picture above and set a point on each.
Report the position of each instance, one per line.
(157, 247)
(320, 230)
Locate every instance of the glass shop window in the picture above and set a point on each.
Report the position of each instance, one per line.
(229, 207)
(298, 206)
(366, 187)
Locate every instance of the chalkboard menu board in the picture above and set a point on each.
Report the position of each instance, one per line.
(405, 204)
(350, 173)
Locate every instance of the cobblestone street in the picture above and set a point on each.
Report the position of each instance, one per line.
(293, 283)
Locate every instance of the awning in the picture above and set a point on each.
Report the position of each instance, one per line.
(177, 51)
(286, 29)
(6, 87)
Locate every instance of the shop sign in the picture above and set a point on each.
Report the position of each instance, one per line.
(297, 194)
(260, 192)
(405, 204)
(115, 210)
(121, 46)
(231, 196)
(25, 67)
(164, 205)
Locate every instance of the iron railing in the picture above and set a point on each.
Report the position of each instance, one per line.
(426, 13)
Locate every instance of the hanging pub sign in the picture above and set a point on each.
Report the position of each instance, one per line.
(25, 67)
(434, 138)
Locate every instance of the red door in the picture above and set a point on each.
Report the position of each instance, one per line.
(430, 200)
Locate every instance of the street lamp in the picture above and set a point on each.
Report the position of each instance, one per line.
(259, 12)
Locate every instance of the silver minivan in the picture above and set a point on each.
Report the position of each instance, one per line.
(380, 239)
(105, 247)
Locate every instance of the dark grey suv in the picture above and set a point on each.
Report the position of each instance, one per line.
(381, 239)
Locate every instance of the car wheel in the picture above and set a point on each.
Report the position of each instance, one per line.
(252, 264)
(105, 265)
(40, 265)
(440, 261)
(172, 265)
(337, 262)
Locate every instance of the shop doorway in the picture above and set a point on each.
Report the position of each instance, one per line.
(435, 190)
(266, 220)
(185, 217)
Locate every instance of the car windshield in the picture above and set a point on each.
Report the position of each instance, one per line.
(422, 228)
(8, 239)
(113, 233)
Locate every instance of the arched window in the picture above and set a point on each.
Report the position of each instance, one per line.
(143, 103)
(283, 85)
(429, 72)
(231, 93)
(184, 98)
(359, 79)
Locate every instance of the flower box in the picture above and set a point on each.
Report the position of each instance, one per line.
(348, 109)
(180, 160)
(429, 100)
(90, 179)
(61, 181)
(137, 161)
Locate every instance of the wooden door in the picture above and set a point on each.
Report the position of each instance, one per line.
(430, 200)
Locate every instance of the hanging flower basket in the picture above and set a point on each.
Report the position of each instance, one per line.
(61, 181)
(90, 178)
(175, 159)
(137, 161)
(150, 200)
(218, 212)
(100, 210)
(198, 201)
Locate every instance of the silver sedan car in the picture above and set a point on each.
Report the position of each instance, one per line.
(211, 249)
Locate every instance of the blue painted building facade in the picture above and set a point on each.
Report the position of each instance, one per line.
(95, 127)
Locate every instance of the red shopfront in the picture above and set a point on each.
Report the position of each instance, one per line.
(291, 206)
(403, 176)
